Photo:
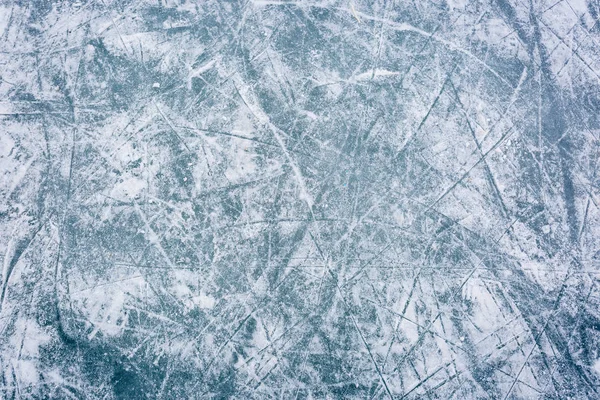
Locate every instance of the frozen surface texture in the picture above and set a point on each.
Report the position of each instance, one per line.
(300, 200)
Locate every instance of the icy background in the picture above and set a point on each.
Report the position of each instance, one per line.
(300, 200)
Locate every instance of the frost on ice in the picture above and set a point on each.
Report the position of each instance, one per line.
(300, 199)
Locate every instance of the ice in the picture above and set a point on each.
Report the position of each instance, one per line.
(300, 199)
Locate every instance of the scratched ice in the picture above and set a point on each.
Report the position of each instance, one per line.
(321, 199)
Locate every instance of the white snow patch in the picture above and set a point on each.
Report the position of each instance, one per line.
(128, 189)
(596, 366)
(204, 301)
